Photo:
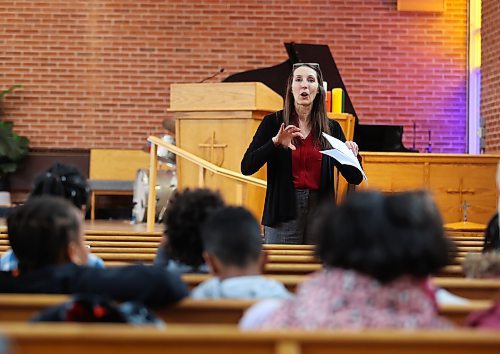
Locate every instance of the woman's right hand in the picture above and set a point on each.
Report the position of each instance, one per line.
(286, 135)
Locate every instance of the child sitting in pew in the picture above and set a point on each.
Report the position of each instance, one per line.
(59, 181)
(484, 265)
(487, 263)
(233, 253)
(181, 248)
(378, 251)
(47, 237)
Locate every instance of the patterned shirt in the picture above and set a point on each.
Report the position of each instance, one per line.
(338, 298)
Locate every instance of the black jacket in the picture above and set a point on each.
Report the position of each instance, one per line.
(280, 205)
(146, 284)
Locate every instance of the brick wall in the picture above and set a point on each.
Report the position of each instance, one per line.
(97, 73)
(490, 73)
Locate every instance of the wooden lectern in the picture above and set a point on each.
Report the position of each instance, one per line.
(216, 121)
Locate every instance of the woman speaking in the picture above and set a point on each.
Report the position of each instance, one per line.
(298, 175)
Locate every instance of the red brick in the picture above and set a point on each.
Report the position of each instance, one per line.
(107, 65)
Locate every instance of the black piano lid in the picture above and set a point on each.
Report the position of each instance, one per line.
(275, 77)
(382, 138)
(368, 137)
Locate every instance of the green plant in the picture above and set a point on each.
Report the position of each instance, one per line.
(13, 147)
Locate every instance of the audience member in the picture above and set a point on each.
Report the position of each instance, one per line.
(181, 249)
(46, 234)
(60, 181)
(233, 252)
(486, 264)
(378, 252)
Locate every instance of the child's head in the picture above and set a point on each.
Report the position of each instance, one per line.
(46, 231)
(63, 181)
(383, 236)
(186, 212)
(232, 242)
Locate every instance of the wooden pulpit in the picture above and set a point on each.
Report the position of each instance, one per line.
(216, 121)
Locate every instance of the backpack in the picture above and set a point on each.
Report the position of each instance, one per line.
(96, 308)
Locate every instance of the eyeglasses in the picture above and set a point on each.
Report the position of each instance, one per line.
(313, 65)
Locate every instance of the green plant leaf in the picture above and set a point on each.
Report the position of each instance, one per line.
(13, 147)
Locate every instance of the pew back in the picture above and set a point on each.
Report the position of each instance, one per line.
(100, 339)
(22, 307)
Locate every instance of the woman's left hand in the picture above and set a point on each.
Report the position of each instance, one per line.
(352, 146)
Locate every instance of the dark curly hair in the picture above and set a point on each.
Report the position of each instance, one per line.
(63, 181)
(184, 217)
(383, 236)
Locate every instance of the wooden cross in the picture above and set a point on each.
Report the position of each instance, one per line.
(212, 146)
(461, 192)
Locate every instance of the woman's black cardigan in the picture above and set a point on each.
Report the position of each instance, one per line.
(279, 204)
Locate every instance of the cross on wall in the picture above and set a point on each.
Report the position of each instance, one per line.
(212, 145)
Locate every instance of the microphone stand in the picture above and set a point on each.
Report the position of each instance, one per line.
(212, 76)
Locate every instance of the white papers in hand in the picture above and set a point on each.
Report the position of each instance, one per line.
(342, 154)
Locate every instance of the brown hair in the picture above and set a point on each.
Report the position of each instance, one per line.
(319, 119)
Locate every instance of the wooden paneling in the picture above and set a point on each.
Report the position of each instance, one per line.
(113, 164)
(452, 179)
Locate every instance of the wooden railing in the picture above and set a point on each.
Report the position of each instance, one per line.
(203, 167)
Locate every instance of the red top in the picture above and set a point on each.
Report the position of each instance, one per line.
(306, 164)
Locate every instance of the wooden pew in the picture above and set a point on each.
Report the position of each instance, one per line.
(297, 269)
(140, 236)
(474, 289)
(277, 264)
(55, 338)
(279, 256)
(121, 247)
(22, 307)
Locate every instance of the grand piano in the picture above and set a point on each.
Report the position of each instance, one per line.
(368, 137)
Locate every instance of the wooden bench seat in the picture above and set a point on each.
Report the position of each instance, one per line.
(474, 289)
(124, 244)
(277, 264)
(22, 307)
(55, 338)
(142, 235)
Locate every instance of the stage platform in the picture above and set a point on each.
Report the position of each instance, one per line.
(118, 226)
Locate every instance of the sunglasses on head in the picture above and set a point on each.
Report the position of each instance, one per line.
(313, 65)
